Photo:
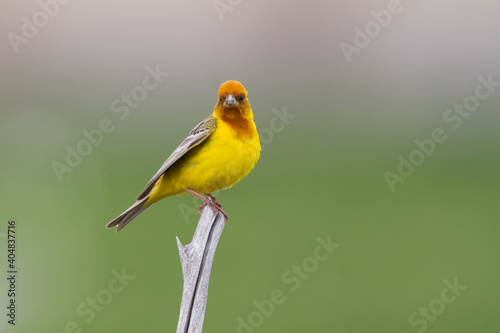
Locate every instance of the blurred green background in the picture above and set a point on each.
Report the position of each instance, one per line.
(321, 173)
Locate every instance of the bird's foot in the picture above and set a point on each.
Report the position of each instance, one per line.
(209, 201)
(212, 202)
(212, 198)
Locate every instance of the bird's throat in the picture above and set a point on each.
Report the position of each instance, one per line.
(241, 122)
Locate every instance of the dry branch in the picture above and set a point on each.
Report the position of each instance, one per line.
(196, 259)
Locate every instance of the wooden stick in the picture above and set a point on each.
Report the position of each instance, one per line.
(196, 260)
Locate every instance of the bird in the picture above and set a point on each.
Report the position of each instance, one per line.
(215, 155)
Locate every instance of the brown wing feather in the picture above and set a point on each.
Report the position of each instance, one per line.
(195, 137)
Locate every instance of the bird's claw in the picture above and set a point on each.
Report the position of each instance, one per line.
(212, 202)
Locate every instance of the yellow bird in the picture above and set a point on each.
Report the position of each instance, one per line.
(217, 153)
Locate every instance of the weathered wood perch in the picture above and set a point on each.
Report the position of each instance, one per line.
(196, 259)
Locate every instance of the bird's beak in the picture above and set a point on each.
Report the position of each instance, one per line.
(230, 101)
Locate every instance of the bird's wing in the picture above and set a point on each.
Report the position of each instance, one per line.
(195, 137)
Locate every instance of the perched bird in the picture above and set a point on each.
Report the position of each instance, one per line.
(217, 153)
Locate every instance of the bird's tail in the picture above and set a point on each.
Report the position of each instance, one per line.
(127, 216)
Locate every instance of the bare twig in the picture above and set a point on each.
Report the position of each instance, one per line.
(196, 259)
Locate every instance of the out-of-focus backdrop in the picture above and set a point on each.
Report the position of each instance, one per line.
(374, 207)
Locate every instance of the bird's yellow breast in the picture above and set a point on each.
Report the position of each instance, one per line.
(219, 162)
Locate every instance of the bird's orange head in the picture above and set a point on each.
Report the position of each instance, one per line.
(233, 101)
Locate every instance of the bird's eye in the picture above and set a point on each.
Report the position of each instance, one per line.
(220, 99)
(242, 97)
